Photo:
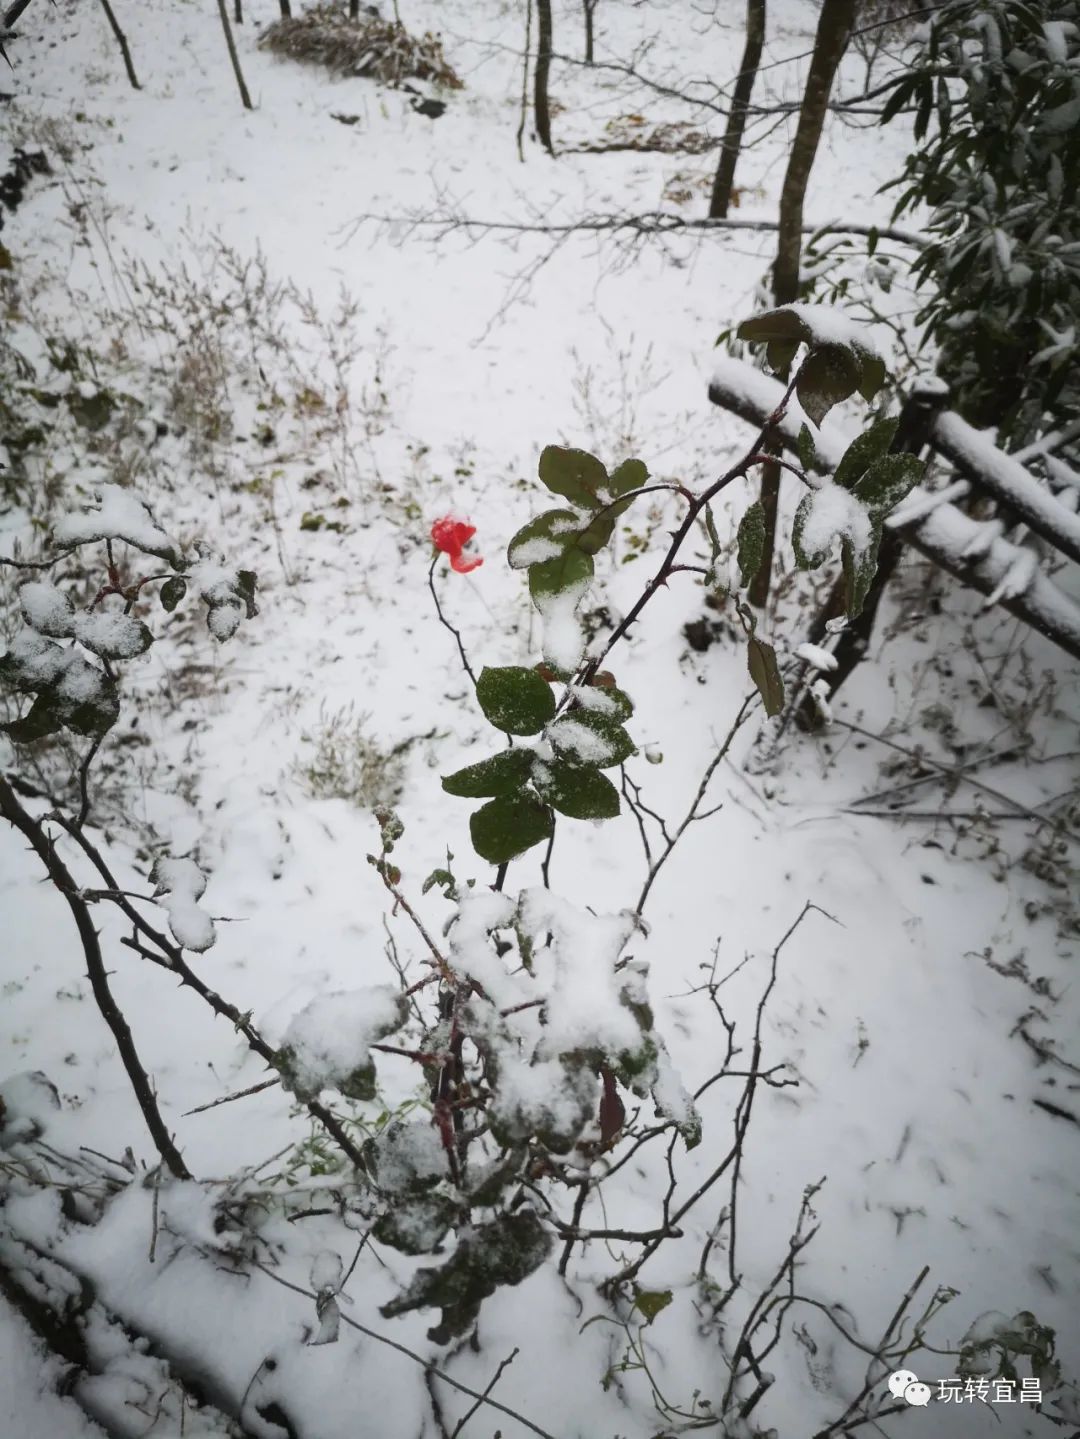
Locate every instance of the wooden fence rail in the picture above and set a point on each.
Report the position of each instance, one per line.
(973, 551)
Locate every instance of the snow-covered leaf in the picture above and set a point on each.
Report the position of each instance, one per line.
(863, 451)
(543, 538)
(590, 737)
(751, 542)
(508, 826)
(504, 773)
(119, 514)
(178, 886)
(515, 699)
(328, 1044)
(574, 474)
(577, 791)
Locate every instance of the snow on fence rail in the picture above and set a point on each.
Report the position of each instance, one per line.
(971, 550)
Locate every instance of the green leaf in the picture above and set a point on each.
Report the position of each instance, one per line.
(863, 451)
(515, 699)
(596, 534)
(827, 376)
(898, 99)
(575, 474)
(543, 538)
(781, 324)
(803, 558)
(570, 570)
(765, 672)
(502, 1252)
(505, 773)
(508, 826)
(626, 478)
(246, 580)
(887, 481)
(577, 791)
(93, 412)
(925, 107)
(872, 375)
(441, 877)
(172, 592)
(651, 1302)
(806, 449)
(418, 1224)
(41, 719)
(624, 704)
(714, 538)
(751, 541)
(587, 737)
(780, 353)
(859, 571)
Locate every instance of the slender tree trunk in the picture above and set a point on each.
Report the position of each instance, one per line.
(525, 81)
(233, 56)
(354, 9)
(543, 66)
(590, 10)
(121, 40)
(833, 32)
(286, 9)
(744, 86)
(238, 13)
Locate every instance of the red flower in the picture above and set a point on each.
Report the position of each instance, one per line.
(451, 537)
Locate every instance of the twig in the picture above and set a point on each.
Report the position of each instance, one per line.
(505, 1364)
(228, 1098)
(113, 1016)
(843, 1422)
(425, 1364)
(121, 40)
(446, 623)
(950, 770)
(170, 956)
(650, 222)
(154, 1218)
(234, 58)
(670, 841)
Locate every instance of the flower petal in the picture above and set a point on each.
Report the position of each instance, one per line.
(464, 563)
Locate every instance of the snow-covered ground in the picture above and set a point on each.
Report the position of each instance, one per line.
(410, 374)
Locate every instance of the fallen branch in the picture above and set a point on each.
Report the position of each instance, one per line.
(652, 222)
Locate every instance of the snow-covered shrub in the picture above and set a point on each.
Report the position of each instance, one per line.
(376, 49)
(74, 687)
(996, 90)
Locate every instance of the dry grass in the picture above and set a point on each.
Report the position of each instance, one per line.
(381, 50)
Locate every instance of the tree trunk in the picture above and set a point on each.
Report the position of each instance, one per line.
(238, 13)
(744, 85)
(286, 9)
(590, 10)
(233, 56)
(543, 66)
(354, 9)
(525, 81)
(121, 40)
(833, 32)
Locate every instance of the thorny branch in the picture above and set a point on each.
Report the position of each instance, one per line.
(43, 846)
(165, 954)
